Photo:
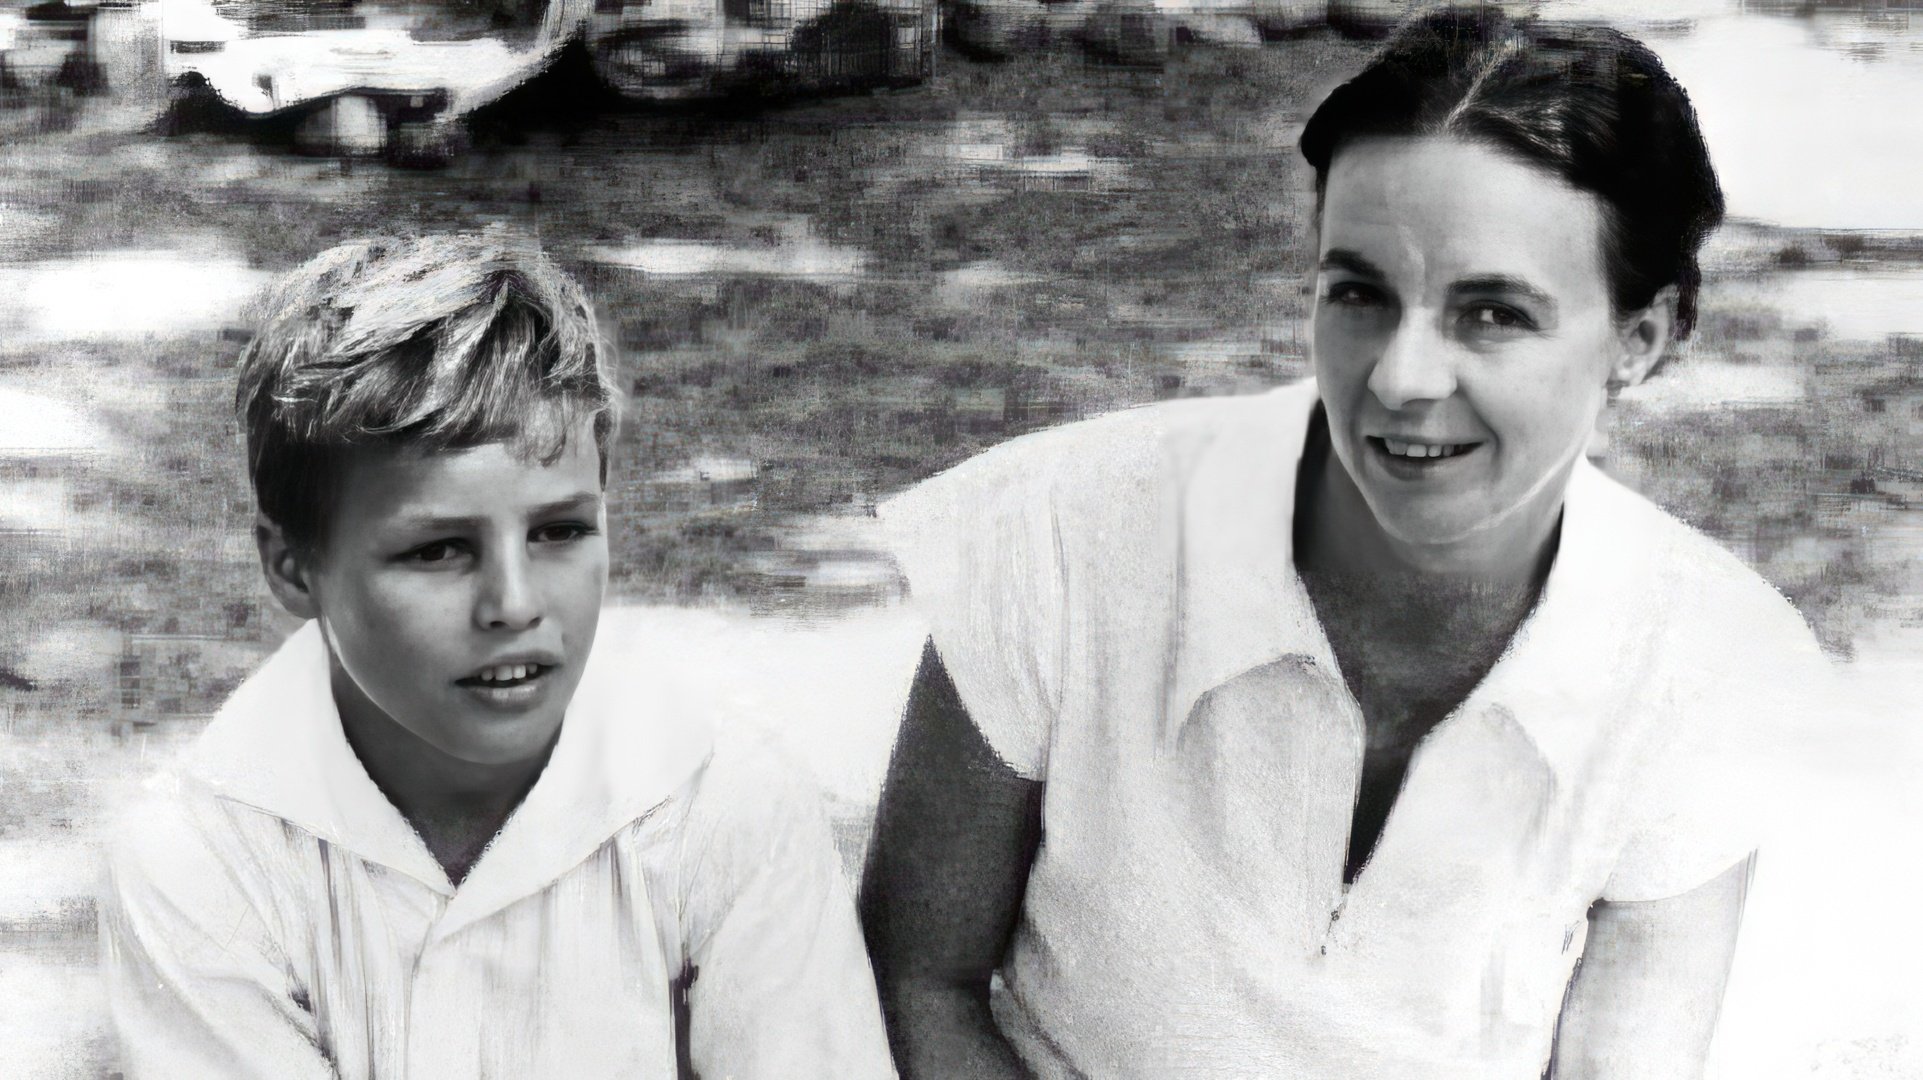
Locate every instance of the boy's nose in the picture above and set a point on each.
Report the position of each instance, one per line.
(1415, 366)
(509, 599)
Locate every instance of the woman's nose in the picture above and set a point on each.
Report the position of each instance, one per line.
(1416, 365)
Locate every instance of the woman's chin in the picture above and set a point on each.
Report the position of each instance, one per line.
(1438, 538)
(1439, 535)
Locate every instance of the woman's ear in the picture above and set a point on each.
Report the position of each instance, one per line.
(1644, 337)
(285, 570)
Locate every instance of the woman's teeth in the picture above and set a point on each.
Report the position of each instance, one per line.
(508, 672)
(1424, 450)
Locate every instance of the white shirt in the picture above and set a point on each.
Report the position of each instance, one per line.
(1117, 604)
(270, 913)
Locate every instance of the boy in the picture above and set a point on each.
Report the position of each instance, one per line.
(388, 855)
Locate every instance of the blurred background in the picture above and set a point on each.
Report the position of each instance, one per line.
(844, 246)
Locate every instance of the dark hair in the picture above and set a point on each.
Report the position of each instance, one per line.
(437, 343)
(1587, 103)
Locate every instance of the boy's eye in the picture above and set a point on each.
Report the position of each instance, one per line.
(437, 551)
(562, 532)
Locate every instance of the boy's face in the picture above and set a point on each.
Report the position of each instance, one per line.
(459, 592)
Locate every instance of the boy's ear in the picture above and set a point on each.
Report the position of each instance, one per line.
(1645, 336)
(285, 571)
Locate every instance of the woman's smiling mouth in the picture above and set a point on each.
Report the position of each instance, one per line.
(1416, 452)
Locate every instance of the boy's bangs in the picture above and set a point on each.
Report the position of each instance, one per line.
(485, 376)
(435, 344)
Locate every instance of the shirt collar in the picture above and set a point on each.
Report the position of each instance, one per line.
(629, 741)
(1241, 604)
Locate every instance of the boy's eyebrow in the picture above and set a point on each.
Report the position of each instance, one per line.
(1353, 262)
(579, 501)
(1502, 283)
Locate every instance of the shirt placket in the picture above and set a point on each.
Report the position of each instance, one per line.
(1358, 733)
(441, 1001)
(1346, 741)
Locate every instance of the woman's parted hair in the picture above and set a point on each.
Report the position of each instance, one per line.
(1590, 104)
(437, 343)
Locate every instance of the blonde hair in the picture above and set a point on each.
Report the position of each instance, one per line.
(436, 343)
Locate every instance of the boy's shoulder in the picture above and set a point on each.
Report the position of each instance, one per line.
(678, 686)
(748, 830)
(251, 800)
(176, 847)
(259, 739)
(750, 783)
(643, 709)
(211, 799)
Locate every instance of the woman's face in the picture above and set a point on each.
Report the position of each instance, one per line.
(1463, 336)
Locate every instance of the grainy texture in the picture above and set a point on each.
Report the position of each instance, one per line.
(822, 300)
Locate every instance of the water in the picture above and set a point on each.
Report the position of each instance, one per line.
(1866, 304)
(117, 294)
(1811, 121)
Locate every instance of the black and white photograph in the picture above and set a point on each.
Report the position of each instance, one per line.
(975, 539)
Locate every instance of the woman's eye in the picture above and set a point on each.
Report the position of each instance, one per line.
(1497, 317)
(1350, 294)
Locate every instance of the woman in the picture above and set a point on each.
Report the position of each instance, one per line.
(1374, 731)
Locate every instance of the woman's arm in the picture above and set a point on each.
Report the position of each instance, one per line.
(954, 837)
(1644, 1000)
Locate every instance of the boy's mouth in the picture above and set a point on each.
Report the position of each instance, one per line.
(511, 682)
(504, 675)
(512, 688)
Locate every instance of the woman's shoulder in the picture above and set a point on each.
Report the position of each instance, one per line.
(1715, 607)
(1102, 463)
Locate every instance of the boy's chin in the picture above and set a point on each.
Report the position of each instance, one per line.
(492, 742)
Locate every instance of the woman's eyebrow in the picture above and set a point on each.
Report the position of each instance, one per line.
(1502, 283)
(1353, 262)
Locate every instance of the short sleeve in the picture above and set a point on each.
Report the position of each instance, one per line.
(781, 984)
(1723, 770)
(980, 548)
